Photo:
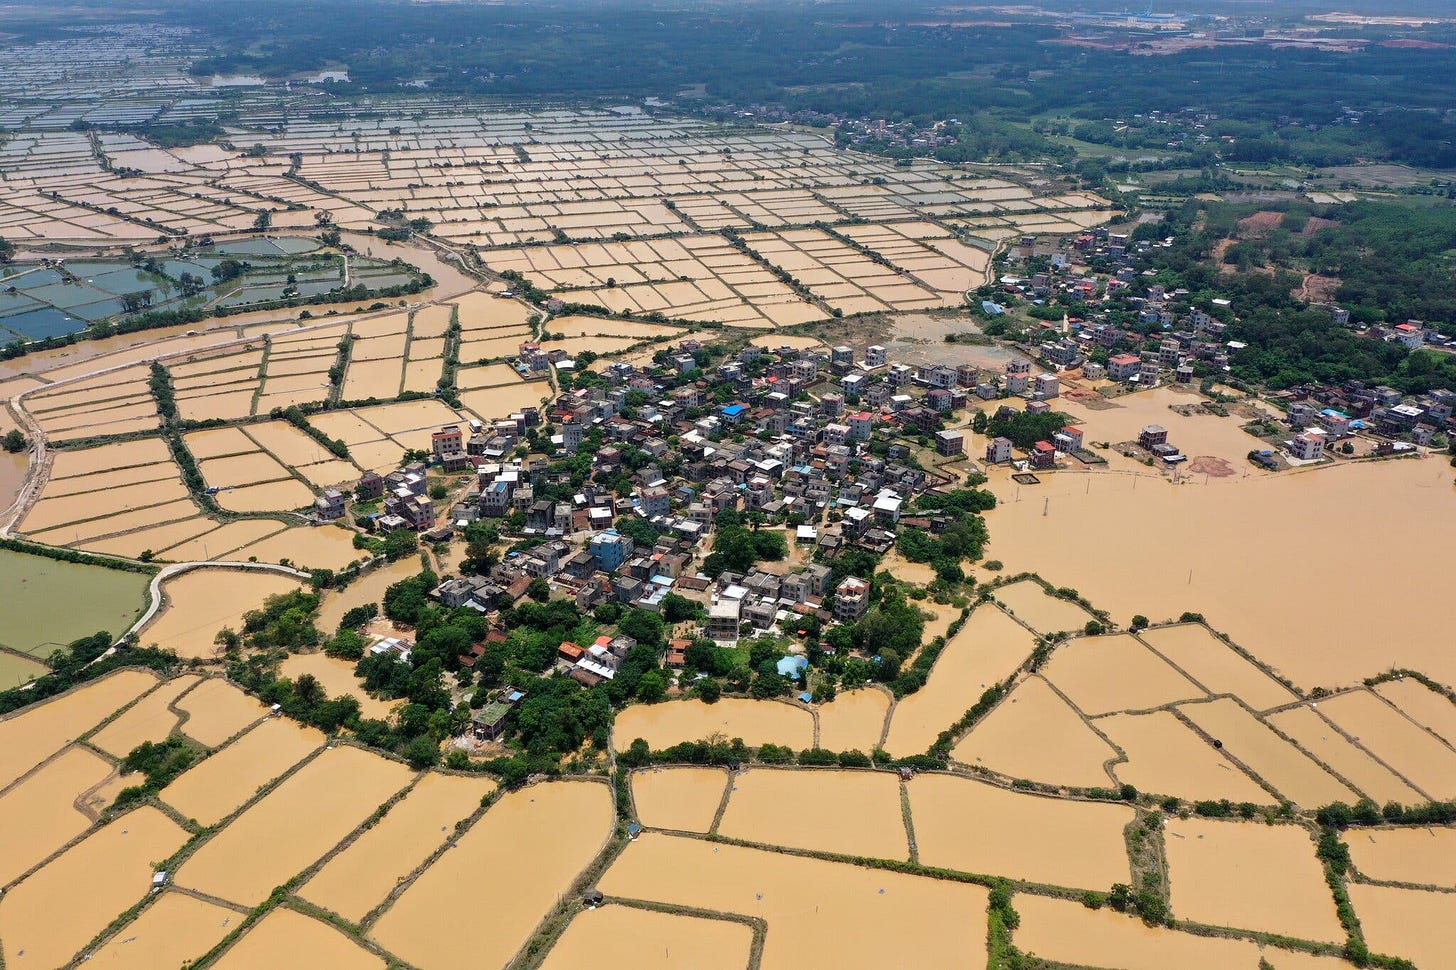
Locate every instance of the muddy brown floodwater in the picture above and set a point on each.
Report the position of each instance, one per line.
(63, 905)
(287, 938)
(1407, 747)
(38, 816)
(1030, 604)
(854, 720)
(1039, 839)
(1420, 856)
(988, 648)
(1034, 734)
(1217, 666)
(174, 929)
(621, 936)
(358, 878)
(1423, 705)
(216, 710)
(1250, 876)
(875, 828)
(1415, 924)
(299, 821)
(684, 798)
(1067, 932)
(1144, 680)
(149, 719)
(35, 733)
(756, 722)
(1289, 771)
(203, 601)
(1320, 738)
(212, 790)
(1167, 757)
(819, 914)
(1242, 534)
(419, 925)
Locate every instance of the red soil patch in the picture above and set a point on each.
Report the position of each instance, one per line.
(1261, 223)
(1211, 466)
(1315, 224)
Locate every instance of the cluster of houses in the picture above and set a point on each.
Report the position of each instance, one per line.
(1322, 415)
(790, 440)
(1182, 339)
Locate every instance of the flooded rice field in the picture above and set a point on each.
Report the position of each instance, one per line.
(149, 719)
(1034, 734)
(1166, 756)
(219, 785)
(1144, 680)
(1242, 594)
(685, 799)
(300, 820)
(988, 649)
(1428, 708)
(1065, 931)
(1419, 856)
(624, 936)
(1291, 773)
(854, 720)
(876, 828)
(1216, 666)
(417, 926)
(1039, 839)
(33, 734)
(1417, 925)
(39, 815)
(337, 679)
(1032, 605)
(362, 875)
(1418, 755)
(368, 588)
(216, 710)
(1355, 764)
(306, 547)
(1249, 876)
(816, 911)
(201, 602)
(288, 938)
(756, 722)
(62, 906)
(171, 931)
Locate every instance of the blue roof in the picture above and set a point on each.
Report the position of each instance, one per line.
(792, 666)
(733, 410)
(806, 697)
(992, 308)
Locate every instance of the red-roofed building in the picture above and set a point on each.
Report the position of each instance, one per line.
(1123, 367)
(1043, 455)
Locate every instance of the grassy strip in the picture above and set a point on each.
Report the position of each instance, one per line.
(71, 555)
(295, 416)
(340, 366)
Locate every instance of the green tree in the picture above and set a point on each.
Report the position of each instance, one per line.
(651, 687)
(13, 442)
(400, 543)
